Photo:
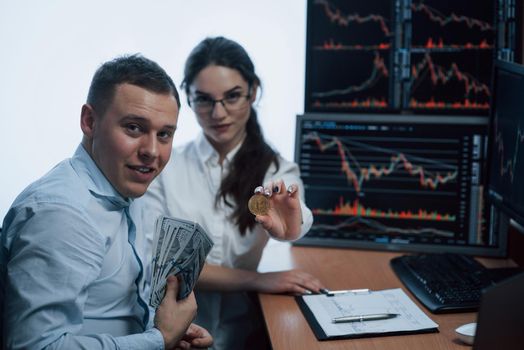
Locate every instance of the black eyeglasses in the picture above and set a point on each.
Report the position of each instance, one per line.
(234, 101)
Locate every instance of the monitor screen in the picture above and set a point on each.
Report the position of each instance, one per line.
(427, 57)
(396, 182)
(506, 157)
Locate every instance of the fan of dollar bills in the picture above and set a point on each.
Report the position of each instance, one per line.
(180, 248)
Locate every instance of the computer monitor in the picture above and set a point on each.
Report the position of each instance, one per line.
(506, 156)
(396, 182)
(427, 57)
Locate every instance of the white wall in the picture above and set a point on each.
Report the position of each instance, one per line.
(50, 49)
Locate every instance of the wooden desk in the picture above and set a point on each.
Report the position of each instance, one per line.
(344, 269)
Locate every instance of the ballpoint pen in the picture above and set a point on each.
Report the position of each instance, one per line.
(335, 292)
(361, 318)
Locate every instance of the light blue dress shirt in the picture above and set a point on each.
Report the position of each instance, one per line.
(70, 264)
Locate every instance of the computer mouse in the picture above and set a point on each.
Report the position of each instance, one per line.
(466, 332)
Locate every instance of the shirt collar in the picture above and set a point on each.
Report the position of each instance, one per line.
(94, 179)
(207, 153)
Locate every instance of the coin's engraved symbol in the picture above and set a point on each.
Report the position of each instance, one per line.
(258, 204)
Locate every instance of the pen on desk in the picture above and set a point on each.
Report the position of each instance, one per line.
(335, 292)
(361, 318)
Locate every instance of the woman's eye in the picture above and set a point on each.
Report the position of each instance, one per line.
(233, 97)
(202, 99)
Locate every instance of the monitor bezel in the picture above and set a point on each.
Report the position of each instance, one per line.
(496, 251)
(494, 197)
(396, 100)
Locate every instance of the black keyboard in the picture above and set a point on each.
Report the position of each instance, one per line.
(446, 282)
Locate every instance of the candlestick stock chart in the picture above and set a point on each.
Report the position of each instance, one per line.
(370, 178)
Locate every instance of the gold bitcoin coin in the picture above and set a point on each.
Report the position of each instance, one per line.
(258, 204)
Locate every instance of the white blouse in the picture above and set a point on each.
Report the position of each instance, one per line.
(187, 189)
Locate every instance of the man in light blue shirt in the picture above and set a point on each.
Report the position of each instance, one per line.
(71, 264)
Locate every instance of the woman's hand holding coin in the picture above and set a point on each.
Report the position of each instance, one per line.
(277, 209)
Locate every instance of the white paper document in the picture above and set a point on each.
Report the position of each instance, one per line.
(410, 319)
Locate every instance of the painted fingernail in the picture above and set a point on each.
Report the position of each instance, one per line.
(259, 189)
(267, 192)
(276, 189)
(308, 292)
(291, 189)
(324, 291)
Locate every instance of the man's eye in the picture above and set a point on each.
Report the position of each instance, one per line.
(133, 128)
(165, 135)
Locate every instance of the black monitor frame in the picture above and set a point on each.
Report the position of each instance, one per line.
(447, 122)
(358, 65)
(503, 209)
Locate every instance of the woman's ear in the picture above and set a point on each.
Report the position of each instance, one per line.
(253, 92)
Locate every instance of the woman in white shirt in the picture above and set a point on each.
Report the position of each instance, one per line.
(210, 181)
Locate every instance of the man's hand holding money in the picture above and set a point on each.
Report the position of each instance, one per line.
(173, 319)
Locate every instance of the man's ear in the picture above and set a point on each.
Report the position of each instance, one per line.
(87, 120)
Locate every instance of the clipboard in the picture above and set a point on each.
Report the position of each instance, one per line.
(320, 309)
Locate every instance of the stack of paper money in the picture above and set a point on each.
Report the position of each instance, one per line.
(180, 248)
